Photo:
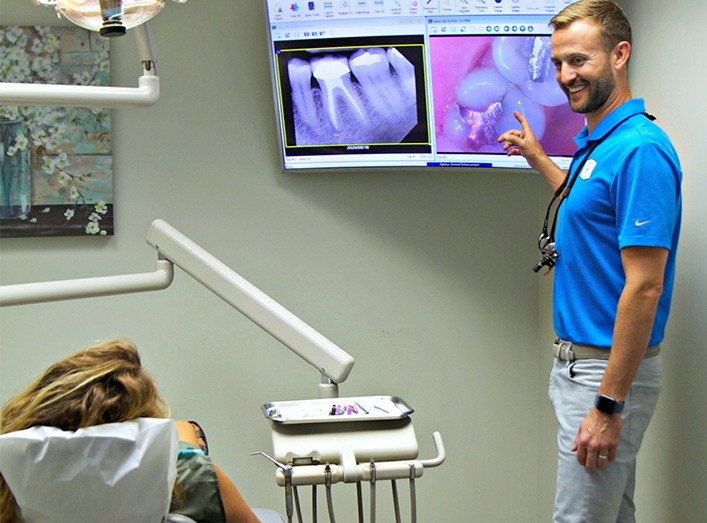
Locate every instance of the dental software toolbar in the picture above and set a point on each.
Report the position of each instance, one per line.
(310, 10)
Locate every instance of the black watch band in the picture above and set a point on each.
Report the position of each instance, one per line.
(608, 405)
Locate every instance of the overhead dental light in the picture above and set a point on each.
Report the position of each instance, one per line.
(109, 17)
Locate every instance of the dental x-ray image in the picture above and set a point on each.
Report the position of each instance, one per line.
(353, 95)
(479, 81)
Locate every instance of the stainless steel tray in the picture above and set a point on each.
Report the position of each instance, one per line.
(336, 410)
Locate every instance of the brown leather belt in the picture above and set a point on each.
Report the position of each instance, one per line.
(568, 351)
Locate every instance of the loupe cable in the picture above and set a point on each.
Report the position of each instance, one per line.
(329, 500)
(546, 241)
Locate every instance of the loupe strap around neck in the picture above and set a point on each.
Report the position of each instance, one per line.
(563, 191)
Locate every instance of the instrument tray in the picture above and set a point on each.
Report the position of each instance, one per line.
(336, 410)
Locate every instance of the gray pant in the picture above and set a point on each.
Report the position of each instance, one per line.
(604, 496)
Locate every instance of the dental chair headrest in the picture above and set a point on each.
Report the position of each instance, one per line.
(112, 473)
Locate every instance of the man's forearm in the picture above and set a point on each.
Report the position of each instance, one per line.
(551, 172)
(634, 321)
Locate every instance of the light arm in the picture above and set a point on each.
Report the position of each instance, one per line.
(175, 248)
(41, 292)
(269, 315)
(146, 94)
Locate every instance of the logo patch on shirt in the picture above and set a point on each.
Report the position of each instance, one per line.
(587, 169)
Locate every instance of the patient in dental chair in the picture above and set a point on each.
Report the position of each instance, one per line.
(107, 384)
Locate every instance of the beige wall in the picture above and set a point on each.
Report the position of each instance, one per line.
(664, 72)
(424, 278)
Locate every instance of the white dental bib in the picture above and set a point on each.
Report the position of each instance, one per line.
(112, 473)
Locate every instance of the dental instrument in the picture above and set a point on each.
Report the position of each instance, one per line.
(287, 474)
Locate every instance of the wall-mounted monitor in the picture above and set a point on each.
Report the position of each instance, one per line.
(414, 83)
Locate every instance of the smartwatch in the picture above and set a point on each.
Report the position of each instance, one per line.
(608, 405)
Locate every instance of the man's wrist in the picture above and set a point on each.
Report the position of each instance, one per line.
(607, 404)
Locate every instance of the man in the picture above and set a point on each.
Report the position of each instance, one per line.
(614, 251)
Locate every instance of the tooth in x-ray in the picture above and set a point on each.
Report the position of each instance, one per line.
(373, 72)
(333, 75)
(404, 69)
(300, 73)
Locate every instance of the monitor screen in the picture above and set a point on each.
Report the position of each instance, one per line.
(414, 83)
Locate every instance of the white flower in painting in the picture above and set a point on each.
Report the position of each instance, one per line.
(38, 136)
(57, 128)
(17, 73)
(69, 214)
(93, 228)
(94, 217)
(40, 63)
(15, 54)
(61, 161)
(51, 43)
(63, 179)
(52, 143)
(36, 46)
(48, 165)
(12, 34)
(22, 142)
(101, 207)
(74, 193)
(11, 113)
(83, 78)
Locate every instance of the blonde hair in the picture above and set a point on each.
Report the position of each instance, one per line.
(101, 384)
(610, 18)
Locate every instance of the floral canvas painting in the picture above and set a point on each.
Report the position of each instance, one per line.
(56, 174)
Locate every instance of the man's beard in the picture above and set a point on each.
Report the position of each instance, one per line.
(599, 91)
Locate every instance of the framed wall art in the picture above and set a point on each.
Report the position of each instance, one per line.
(56, 176)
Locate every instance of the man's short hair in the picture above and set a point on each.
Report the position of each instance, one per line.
(610, 18)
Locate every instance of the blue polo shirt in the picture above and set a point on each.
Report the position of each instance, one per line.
(627, 195)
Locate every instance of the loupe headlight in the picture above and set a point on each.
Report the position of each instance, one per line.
(546, 244)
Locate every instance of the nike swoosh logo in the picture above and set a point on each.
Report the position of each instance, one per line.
(640, 224)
